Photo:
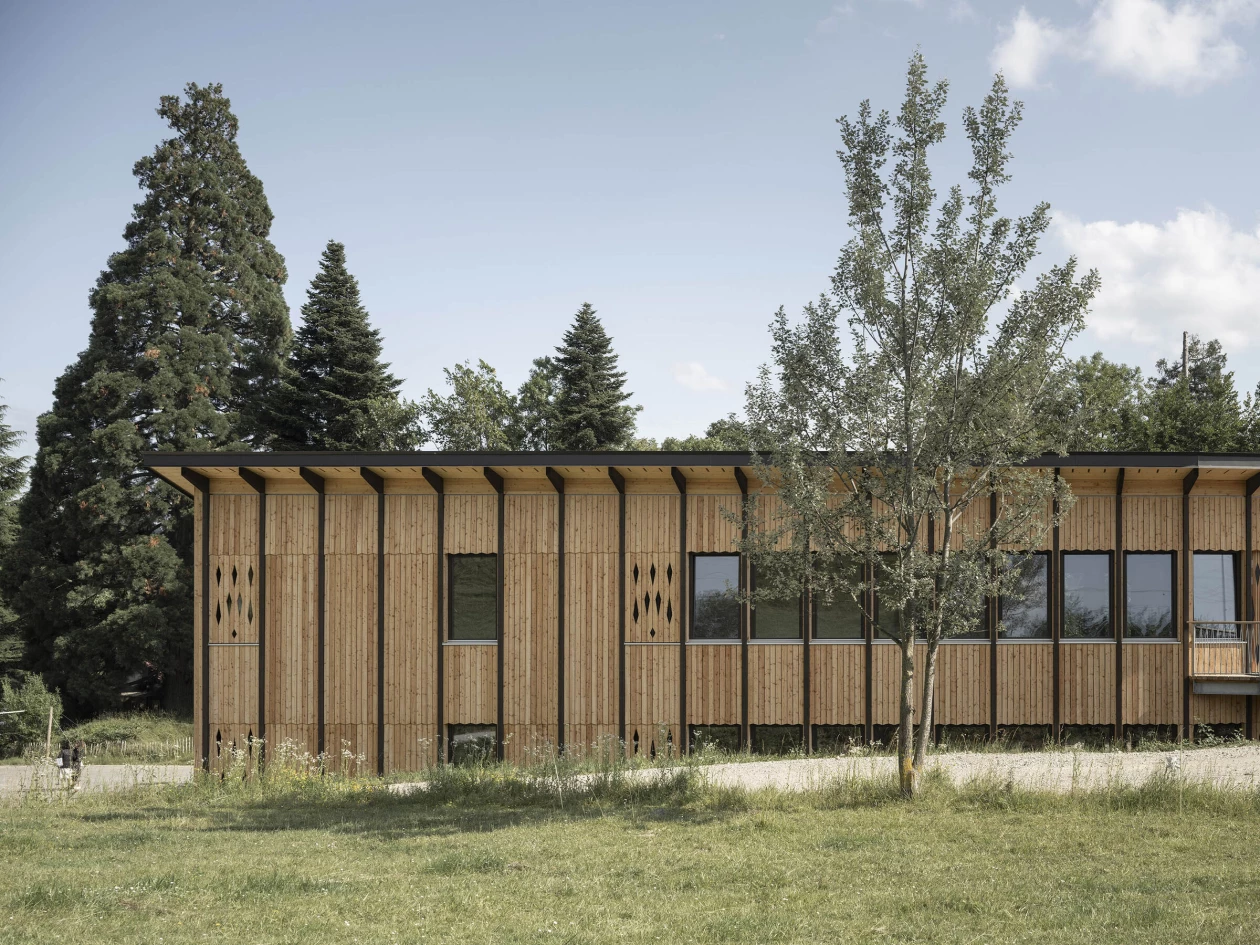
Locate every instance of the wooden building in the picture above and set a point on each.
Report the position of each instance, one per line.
(397, 604)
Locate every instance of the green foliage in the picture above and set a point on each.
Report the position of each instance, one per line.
(336, 393)
(1198, 412)
(131, 726)
(726, 435)
(31, 700)
(1109, 405)
(12, 480)
(536, 408)
(591, 409)
(188, 335)
(479, 413)
(948, 383)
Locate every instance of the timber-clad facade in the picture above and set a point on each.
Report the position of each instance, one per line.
(387, 603)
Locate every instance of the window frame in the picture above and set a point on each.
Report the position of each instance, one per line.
(1235, 562)
(691, 593)
(752, 614)
(1175, 599)
(1110, 636)
(1048, 557)
(450, 602)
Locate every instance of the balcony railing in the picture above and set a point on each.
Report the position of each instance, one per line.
(1224, 648)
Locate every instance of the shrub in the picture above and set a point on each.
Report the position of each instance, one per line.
(30, 700)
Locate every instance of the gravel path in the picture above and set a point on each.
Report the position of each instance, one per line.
(16, 779)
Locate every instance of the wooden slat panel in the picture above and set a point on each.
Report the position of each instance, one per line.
(590, 524)
(774, 684)
(1218, 523)
(713, 683)
(199, 750)
(411, 524)
(1217, 709)
(350, 526)
(1087, 680)
(837, 694)
(472, 524)
(292, 525)
(886, 682)
(1090, 525)
(1025, 681)
(471, 689)
(651, 698)
(962, 684)
(292, 651)
(411, 735)
(234, 525)
(530, 625)
(651, 524)
(1152, 683)
(708, 528)
(234, 597)
(1152, 523)
(350, 630)
(590, 629)
(233, 700)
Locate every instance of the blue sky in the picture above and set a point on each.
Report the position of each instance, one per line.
(492, 166)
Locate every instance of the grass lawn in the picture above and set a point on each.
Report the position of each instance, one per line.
(489, 856)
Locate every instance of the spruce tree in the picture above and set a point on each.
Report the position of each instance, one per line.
(336, 393)
(12, 479)
(189, 331)
(591, 412)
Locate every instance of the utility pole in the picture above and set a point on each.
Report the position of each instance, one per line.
(1185, 354)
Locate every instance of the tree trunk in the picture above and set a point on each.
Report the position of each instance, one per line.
(926, 721)
(905, 739)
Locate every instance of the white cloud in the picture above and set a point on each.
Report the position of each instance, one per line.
(694, 376)
(1192, 273)
(1182, 46)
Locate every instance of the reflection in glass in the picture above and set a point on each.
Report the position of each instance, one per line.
(715, 596)
(775, 619)
(474, 597)
(1149, 595)
(1215, 588)
(1024, 613)
(1086, 595)
(837, 619)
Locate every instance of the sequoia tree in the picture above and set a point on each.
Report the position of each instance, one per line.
(336, 393)
(591, 412)
(188, 334)
(941, 393)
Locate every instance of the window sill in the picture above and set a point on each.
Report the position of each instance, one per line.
(1145, 640)
(784, 641)
(1074, 640)
(735, 641)
(470, 642)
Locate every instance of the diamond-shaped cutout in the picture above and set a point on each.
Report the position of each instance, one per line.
(652, 574)
(218, 575)
(233, 574)
(636, 574)
(635, 612)
(669, 574)
(218, 613)
(250, 575)
(652, 632)
(233, 634)
(240, 603)
(669, 612)
(658, 602)
(249, 614)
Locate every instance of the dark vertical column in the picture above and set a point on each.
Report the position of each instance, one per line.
(1187, 572)
(378, 486)
(497, 481)
(557, 481)
(202, 485)
(992, 616)
(684, 607)
(744, 628)
(868, 629)
(438, 486)
(1054, 574)
(1249, 593)
(1120, 610)
(619, 483)
(259, 485)
(316, 482)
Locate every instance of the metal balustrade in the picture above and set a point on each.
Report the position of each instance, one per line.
(1224, 648)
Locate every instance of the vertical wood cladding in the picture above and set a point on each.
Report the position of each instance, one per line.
(590, 621)
(713, 680)
(200, 630)
(411, 575)
(530, 626)
(350, 630)
(1022, 685)
(1088, 683)
(653, 575)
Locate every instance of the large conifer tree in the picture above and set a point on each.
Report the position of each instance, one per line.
(337, 394)
(12, 479)
(590, 409)
(189, 332)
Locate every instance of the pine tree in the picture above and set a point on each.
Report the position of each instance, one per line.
(12, 479)
(336, 393)
(189, 332)
(591, 412)
(1196, 409)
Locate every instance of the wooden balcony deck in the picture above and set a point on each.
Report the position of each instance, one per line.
(1225, 657)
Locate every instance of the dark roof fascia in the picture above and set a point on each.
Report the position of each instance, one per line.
(167, 460)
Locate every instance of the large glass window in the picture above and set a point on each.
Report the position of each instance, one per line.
(715, 597)
(775, 619)
(1087, 596)
(887, 617)
(1025, 613)
(474, 597)
(1215, 588)
(1149, 583)
(837, 619)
